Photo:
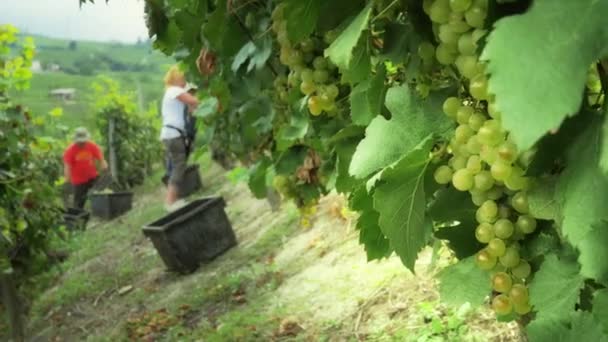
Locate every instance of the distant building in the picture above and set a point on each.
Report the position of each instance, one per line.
(65, 94)
(36, 66)
(53, 67)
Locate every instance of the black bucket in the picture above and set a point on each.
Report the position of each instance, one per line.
(111, 205)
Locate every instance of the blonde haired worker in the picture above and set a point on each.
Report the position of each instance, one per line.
(172, 133)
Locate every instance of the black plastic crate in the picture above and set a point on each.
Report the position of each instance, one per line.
(196, 233)
(192, 181)
(75, 219)
(111, 205)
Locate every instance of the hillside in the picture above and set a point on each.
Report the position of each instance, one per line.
(77, 64)
(281, 283)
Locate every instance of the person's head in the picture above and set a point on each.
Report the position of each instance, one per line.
(81, 136)
(175, 77)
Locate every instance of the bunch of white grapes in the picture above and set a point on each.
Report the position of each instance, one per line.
(483, 160)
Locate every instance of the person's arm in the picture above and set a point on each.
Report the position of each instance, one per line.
(66, 171)
(103, 165)
(188, 99)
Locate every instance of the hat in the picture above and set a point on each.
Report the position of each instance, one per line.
(191, 86)
(81, 135)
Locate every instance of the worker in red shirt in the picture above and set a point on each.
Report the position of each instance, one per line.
(81, 160)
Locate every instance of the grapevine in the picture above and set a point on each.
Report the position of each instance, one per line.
(480, 123)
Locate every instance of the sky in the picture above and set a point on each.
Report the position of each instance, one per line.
(119, 20)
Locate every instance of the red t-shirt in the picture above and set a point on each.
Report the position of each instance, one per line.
(82, 161)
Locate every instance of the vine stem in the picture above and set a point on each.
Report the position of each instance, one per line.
(385, 9)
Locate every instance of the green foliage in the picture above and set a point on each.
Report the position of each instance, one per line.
(463, 282)
(136, 142)
(29, 209)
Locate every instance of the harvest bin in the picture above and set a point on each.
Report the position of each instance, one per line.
(191, 183)
(75, 219)
(110, 205)
(196, 233)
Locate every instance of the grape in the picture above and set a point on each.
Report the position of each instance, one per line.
(330, 36)
(295, 58)
(463, 151)
(483, 181)
(519, 294)
(307, 45)
(489, 209)
(510, 258)
(307, 87)
(463, 133)
(466, 44)
(484, 233)
(522, 270)
(490, 135)
(502, 282)
(283, 95)
(467, 65)
(484, 3)
(507, 151)
(314, 106)
(496, 247)
(463, 114)
(320, 76)
(460, 5)
(488, 154)
(501, 170)
(319, 63)
(504, 212)
(519, 202)
(332, 91)
(478, 197)
(484, 260)
(478, 87)
(463, 180)
(458, 162)
(526, 223)
(476, 121)
(502, 305)
(451, 106)
(445, 54)
(439, 12)
(493, 111)
(447, 36)
(503, 228)
(516, 180)
(474, 165)
(473, 145)
(475, 16)
(522, 309)
(458, 25)
(306, 75)
(426, 51)
(443, 174)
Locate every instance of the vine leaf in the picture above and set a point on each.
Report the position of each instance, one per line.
(301, 17)
(536, 96)
(257, 178)
(360, 66)
(541, 199)
(600, 308)
(366, 98)
(585, 327)
(464, 282)
(604, 155)
(386, 141)
(593, 253)
(554, 291)
(376, 245)
(543, 329)
(400, 199)
(341, 50)
(577, 190)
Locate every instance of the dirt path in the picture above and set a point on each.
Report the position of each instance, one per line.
(281, 282)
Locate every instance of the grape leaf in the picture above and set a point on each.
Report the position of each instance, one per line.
(585, 327)
(413, 119)
(344, 151)
(371, 237)
(301, 17)
(577, 189)
(290, 160)
(604, 155)
(593, 253)
(341, 50)
(451, 205)
(461, 238)
(543, 329)
(600, 308)
(536, 96)
(366, 98)
(360, 66)
(399, 198)
(464, 282)
(555, 288)
(541, 199)
(244, 53)
(337, 11)
(257, 178)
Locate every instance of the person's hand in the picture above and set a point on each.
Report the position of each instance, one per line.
(206, 62)
(104, 165)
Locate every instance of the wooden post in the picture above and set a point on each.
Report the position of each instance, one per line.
(10, 299)
(112, 150)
